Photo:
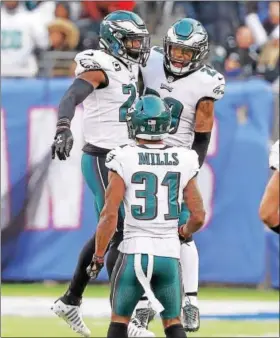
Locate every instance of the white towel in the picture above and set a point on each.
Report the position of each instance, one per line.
(145, 281)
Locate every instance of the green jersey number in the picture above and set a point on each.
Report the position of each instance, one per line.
(11, 39)
(209, 71)
(131, 91)
(150, 212)
(176, 108)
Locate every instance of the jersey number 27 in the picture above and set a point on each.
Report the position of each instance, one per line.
(130, 90)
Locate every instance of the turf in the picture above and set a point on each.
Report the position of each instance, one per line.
(103, 290)
(20, 326)
(55, 327)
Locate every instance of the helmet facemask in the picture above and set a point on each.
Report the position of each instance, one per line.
(135, 48)
(189, 36)
(127, 41)
(193, 63)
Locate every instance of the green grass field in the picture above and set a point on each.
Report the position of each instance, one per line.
(24, 326)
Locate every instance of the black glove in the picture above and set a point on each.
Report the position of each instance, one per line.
(63, 140)
(95, 267)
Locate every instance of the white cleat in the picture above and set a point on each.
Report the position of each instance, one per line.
(135, 329)
(72, 316)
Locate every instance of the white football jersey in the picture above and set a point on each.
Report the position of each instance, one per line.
(182, 95)
(274, 156)
(155, 177)
(105, 108)
(20, 35)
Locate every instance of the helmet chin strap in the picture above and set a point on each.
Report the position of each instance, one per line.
(180, 71)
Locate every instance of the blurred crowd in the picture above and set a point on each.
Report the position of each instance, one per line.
(40, 38)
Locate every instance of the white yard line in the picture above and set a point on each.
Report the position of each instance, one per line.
(100, 307)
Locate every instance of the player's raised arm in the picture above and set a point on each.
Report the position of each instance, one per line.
(89, 77)
(194, 202)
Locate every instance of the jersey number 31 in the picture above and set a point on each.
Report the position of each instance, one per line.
(171, 181)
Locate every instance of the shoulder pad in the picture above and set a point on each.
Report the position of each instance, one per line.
(114, 154)
(274, 156)
(156, 55)
(190, 161)
(213, 82)
(114, 161)
(157, 49)
(93, 60)
(195, 163)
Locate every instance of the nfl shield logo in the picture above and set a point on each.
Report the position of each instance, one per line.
(170, 79)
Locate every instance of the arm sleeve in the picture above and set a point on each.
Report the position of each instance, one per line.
(200, 145)
(75, 94)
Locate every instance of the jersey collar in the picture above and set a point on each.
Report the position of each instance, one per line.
(154, 146)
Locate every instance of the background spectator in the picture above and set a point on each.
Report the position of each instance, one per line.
(92, 13)
(64, 35)
(268, 63)
(263, 31)
(243, 36)
(242, 54)
(20, 36)
(62, 10)
(42, 11)
(271, 25)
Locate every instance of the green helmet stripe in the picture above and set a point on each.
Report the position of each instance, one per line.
(183, 29)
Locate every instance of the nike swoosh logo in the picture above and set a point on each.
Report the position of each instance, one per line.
(89, 54)
(220, 78)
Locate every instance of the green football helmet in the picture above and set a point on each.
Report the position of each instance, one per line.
(125, 35)
(191, 36)
(150, 119)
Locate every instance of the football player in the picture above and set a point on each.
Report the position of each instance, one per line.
(178, 74)
(106, 83)
(152, 179)
(269, 208)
